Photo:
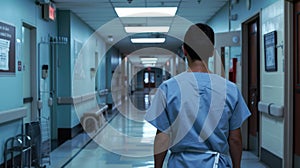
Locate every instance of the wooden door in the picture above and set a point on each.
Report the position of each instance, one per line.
(297, 81)
(253, 84)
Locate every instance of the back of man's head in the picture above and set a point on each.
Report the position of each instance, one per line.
(199, 42)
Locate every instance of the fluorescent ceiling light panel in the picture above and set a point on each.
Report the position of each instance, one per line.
(146, 12)
(149, 65)
(149, 62)
(147, 29)
(148, 40)
(149, 59)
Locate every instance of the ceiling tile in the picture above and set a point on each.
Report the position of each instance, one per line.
(101, 14)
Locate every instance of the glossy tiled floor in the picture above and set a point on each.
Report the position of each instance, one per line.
(125, 142)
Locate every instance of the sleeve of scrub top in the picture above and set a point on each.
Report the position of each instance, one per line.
(240, 113)
(156, 114)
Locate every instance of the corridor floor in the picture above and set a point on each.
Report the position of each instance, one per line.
(125, 142)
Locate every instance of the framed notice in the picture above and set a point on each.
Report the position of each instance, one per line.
(270, 42)
(7, 49)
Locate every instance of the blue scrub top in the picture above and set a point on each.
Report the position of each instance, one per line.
(197, 110)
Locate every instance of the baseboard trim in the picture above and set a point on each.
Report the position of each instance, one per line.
(65, 134)
(270, 159)
(296, 160)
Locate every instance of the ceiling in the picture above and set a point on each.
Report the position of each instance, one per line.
(101, 16)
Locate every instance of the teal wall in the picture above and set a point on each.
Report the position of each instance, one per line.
(113, 59)
(101, 78)
(15, 13)
(69, 83)
(11, 87)
(63, 114)
(64, 65)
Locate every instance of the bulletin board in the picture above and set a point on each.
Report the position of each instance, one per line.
(270, 42)
(7, 49)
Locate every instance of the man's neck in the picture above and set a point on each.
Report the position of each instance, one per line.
(198, 66)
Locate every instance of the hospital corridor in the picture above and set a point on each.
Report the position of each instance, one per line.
(109, 83)
(123, 142)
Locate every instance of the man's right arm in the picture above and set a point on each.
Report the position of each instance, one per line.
(235, 144)
(161, 145)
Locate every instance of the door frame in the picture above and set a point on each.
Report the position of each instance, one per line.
(33, 62)
(245, 76)
(288, 85)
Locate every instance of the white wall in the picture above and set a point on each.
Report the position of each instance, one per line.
(83, 78)
(83, 82)
(220, 21)
(272, 83)
(244, 13)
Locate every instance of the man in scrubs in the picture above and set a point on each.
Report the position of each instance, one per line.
(197, 114)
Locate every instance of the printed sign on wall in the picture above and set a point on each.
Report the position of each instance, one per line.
(7, 48)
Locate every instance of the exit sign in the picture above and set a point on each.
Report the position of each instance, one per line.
(49, 11)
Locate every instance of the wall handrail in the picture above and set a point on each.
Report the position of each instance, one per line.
(271, 109)
(103, 92)
(75, 100)
(12, 114)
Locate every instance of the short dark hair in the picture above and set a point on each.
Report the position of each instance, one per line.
(199, 41)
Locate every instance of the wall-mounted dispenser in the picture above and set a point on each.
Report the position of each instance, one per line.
(44, 71)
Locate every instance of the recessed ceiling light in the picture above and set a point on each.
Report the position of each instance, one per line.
(147, 29)
(146, 12)
(148, 40)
